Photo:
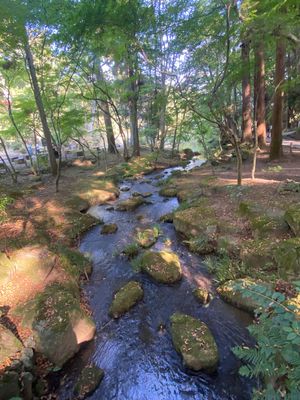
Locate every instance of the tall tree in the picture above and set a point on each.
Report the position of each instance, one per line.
(246, 92)
(277, 114)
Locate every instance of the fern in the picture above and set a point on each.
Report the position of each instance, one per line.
(275, 358)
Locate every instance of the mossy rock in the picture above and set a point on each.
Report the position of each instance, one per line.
(258, 254)
(263, 225)
(228, 293)
(195, 221)
(57, 321)
(287, 257)
(194, 341)
(292, 218)
(10, 345)
(77, 203)
(126, 298)
(202, 295)
(166, 218)
(203, 244)
(147, 237)
(108, 229)
(162, 266)
(89, 379)
(144, 195)
(228, 244)
(130, 204)
(73, 262)
(9, 386)
(168, 191)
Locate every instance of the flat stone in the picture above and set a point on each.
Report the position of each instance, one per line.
(194, 341)
(9, 344)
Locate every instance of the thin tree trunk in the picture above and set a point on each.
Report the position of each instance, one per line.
(277, 114)
(133, 111)
(40, 107)
(12, 168)
(246, 94)
(107, 119)
(259, 97)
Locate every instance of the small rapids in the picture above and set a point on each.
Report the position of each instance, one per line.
(136, 351)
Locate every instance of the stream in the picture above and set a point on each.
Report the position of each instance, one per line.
(136, 351)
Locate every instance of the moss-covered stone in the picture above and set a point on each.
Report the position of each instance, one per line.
(202, 295)
(9, 385)
(126, 298)
(144, 194)
(166, 218)
(234, 297)
(195, 221)
(108, 229)
(130, 204)
(57, 321)
(203, 244)
(147, 237)
(258, 254)
(194, 341)
(287, 257)
(162, 266)
(292, 218)
(9, 344)
(168, 191)
(89, 379)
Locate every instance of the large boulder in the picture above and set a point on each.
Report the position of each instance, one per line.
(130, 204)
(126, 298)
(194, 341)
(9, 344)
(58, 323)
(162, 266)
(195, 221)
(231, 293)
(292, 217)
(88, 381)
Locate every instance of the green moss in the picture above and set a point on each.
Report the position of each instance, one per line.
(131, 250)
(168, 191)
(72, 261)
(202, 295)
(194, 341)
(126, 298)
(147, 237)
(108, 229)
(292, 218)
(162, 266)
(166, 218)
(89, 380)
(287, 257)
(130, 204)
(203, 244)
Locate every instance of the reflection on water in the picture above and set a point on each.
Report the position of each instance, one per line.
(136, 351)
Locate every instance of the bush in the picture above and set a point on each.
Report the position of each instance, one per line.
(275, 357)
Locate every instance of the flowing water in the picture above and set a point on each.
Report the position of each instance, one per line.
(136, 351)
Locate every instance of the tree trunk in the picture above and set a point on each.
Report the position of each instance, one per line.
(111, 144)
(40, 107)
(277, 114)
(259, 98)
(12, 170)
(133, 98)
(246, 94)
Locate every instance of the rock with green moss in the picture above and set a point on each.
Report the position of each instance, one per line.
(126, 298)
(130, 204)
(89, 379)
(147, 237)
(194, 341)
(263, 225)
(9, 385)
(9, 344)
(202, 295)
(229, 293)
(108, 229)
(144, 194)
(203, 244)
(166, 218)
(195, 221)
(168, 191)
(58, 323)
(162, 266)
(287, 257)
(292, 217)
(258, 254)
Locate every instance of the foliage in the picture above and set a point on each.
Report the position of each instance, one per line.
(224, 267)
(5, 201)
(275, 357)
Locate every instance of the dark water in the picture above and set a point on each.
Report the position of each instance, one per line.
(136, 351)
